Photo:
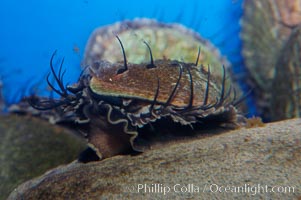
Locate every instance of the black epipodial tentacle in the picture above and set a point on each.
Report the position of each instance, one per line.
(58, 78)
(175, 88)
(151, 65)
(120, 71)
(234, 96)
(228, 92)
(197, 59)
(191, 89)
(189, 106)
(63, 91)
(38, 104)
(221, 99)
(62, 81)
(207, 88)
(155, 97)
(60, 75)
(60, 69)
(242, 98)
(53, 88)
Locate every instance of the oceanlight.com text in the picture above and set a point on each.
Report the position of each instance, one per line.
(252, 189)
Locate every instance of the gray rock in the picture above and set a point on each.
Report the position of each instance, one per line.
(268, 156)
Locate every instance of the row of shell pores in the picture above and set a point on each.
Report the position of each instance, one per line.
(271, 50)
(167, 41)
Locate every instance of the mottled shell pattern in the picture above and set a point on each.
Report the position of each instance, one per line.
(169, 88)
(118, 105)
(267, 28)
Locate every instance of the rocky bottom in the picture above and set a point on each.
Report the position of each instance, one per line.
(257, 163)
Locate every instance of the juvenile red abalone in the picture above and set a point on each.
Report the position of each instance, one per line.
(115, 110)
(121, 106)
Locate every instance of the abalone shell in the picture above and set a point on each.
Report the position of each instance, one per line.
(266, 27)
(167, 41)
(286, 93)
(141, 83)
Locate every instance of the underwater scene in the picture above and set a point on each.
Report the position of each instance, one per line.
(150, 99)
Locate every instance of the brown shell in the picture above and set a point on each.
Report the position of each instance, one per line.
(141, 83)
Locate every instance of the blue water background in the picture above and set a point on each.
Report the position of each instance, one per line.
(31, 30)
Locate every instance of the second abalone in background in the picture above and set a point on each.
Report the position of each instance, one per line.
(266, 26)
(169, 41)
(286, 93)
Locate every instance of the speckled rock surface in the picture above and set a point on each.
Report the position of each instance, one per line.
(268, 156)
(29, 147)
